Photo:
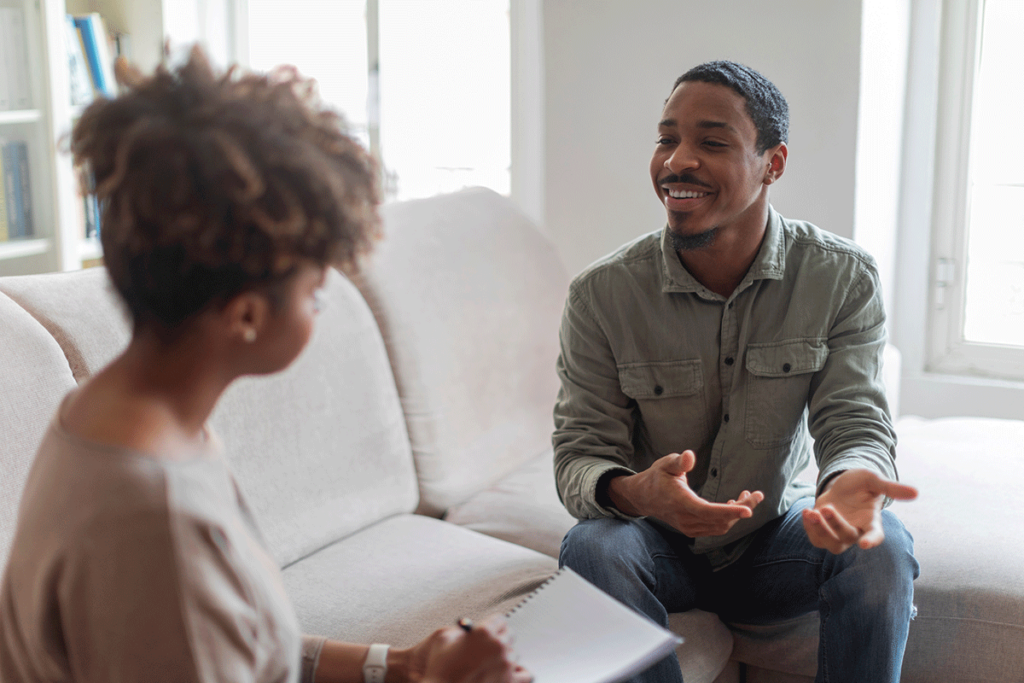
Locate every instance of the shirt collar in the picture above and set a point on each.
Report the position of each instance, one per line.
(769, 264)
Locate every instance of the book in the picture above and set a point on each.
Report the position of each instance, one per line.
(97, 52)
(27, 214)
(78, 68)
(5, 68)
(4, 235)
(570, 631)
(17, 188)
(15, 57)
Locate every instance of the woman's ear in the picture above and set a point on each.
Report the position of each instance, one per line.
(245, 316)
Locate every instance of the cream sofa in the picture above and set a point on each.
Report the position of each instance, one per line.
(401, 468)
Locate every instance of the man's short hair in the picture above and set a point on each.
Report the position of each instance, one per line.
(766, 106)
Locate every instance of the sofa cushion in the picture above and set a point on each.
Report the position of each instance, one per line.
(34, 377)
(320, 449)
(410, 574)
(82, 312)
(473, 341)
(398, 580)
(522, 508)
(968, 527)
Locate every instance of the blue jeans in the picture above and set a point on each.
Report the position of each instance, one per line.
(864, 597)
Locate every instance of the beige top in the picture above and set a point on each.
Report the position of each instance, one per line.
(129, 568)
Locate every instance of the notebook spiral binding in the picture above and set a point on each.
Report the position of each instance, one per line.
(535, 591)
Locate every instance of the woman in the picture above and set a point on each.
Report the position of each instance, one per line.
(226, 200)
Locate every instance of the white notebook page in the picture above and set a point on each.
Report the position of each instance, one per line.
(569, 631)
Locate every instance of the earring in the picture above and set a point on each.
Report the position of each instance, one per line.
(249, 335)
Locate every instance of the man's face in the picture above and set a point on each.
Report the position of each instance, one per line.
(706, 168)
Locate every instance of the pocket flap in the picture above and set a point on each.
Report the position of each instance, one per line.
(663, 379)
(782, 359)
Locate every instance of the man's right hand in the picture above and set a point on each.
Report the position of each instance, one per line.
(662, 492)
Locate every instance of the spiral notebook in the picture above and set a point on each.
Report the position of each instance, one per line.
(569, 631)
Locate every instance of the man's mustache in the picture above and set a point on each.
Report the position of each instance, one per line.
(683, 178)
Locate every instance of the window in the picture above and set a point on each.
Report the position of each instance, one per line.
(977, 301)
(426, 84)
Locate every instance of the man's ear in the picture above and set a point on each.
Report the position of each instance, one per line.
(245, 316)
(776, 162)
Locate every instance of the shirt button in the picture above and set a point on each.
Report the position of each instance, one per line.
(659, 390)
(787, 367)
(730, 360)
(726, 418)
(714, 471)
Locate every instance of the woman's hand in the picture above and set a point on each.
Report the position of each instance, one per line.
(480, 655)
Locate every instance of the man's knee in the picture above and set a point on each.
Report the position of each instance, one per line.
(599, 539)
(889, 568)
(609, 549)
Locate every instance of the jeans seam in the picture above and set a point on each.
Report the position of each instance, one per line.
(784, 560)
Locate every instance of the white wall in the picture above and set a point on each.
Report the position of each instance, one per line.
(609, 65)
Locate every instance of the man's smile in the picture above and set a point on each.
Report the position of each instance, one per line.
(684, 194)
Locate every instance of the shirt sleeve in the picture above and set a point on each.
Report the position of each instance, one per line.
(593, 417)
(848, 414)
(130, 611)
(312, 646)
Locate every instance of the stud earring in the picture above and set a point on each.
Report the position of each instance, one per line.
(249, 335)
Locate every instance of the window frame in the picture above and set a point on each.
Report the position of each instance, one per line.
(948, 352)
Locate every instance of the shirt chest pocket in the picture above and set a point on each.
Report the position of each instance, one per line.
(779, 381)
(670, 396)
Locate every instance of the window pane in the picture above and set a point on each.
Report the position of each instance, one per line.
(995, 267)
(995, 255)
(325, 39)
(445, 82)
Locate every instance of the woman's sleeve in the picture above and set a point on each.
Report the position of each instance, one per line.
(133, 610)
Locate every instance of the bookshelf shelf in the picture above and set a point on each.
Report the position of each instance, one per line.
(21, 116)
(19, 248)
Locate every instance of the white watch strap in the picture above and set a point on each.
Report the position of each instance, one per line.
(375, 668)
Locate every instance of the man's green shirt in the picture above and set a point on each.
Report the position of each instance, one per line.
(653, 363)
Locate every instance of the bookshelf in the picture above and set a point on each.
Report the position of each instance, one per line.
(57, 241)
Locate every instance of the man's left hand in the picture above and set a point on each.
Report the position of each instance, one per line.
(849, 511)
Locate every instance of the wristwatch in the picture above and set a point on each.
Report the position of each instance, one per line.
(376, 665)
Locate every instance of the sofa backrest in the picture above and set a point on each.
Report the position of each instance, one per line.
(468, 294)
(34, 377)
(320, 450)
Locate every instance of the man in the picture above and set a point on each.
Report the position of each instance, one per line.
(696, 363)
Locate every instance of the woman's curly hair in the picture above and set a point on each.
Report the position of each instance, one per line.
(211, 185)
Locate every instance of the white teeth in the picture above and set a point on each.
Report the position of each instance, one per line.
(684, 194)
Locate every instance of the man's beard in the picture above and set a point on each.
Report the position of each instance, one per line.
(693, 242)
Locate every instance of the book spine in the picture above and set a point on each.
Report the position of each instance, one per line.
(12, 183)
(6, 68)
(4, 234)
(27, 214)
(17, 59)
(103, 52)
(84, 26)
(80, 79)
